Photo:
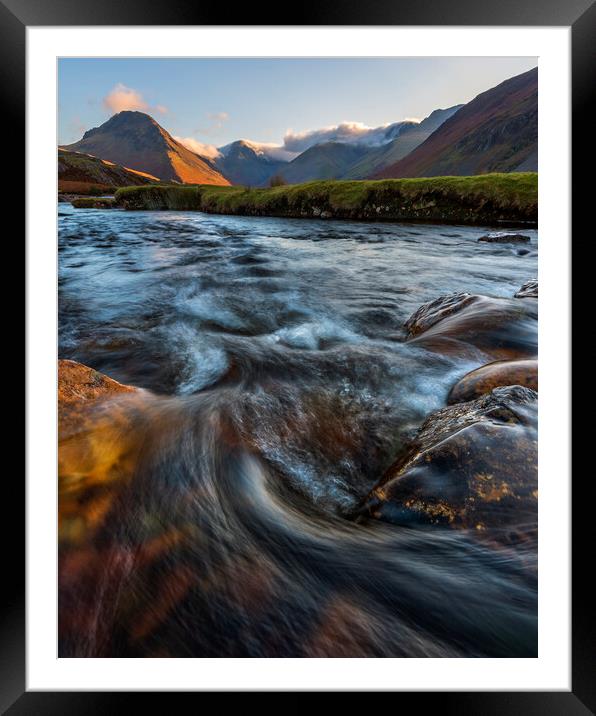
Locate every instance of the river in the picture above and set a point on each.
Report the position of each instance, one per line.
(279, 387)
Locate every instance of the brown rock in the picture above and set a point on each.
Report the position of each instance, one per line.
(97, 447)
(471, 465)
(494, 375)
(78, 382)
(434, 311)
(466, 325)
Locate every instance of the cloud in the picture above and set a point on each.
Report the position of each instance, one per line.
(219, 117)
(347, 132)
(205, 150)
(122, 97)
(216, 122)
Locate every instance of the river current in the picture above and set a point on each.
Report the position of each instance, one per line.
(279, 388)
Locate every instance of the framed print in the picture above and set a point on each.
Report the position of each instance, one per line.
(283, 344)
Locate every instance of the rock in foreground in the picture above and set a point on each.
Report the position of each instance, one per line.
(469, 325)
(503, 237)
(528, 290)
(494, 375)
(472, 465)
(78, 384)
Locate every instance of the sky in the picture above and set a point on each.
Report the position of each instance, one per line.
(213, 101)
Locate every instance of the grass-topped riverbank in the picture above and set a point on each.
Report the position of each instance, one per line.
(480, 199)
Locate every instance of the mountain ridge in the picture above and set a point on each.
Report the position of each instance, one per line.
(496, 131)
(135, 140)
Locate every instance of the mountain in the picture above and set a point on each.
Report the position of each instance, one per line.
(247, 163)
(496, 132)
(84, 174)
(410, 136)
(136, 140)
(329, 160)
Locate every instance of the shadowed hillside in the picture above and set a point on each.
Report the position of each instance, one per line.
(495, 132)
(243, 162)
(329, 160)
(84, 174)
(410, 137)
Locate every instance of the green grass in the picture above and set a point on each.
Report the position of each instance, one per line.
(476, 199)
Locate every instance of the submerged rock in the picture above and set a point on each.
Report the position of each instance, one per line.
(494, 375)
(471, 465)
(503, 237)
(528, 290)
(467, 325)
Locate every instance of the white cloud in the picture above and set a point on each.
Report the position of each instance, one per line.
(219, 117)
(205, 150)
(216, 123)
(347, 132)
(122, 97)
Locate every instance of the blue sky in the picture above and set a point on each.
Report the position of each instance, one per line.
(215, 101)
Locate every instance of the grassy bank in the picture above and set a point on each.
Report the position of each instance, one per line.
(480, 199)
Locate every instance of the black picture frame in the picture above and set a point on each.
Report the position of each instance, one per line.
(580, 15)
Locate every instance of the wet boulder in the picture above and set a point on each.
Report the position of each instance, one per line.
(528, 290)
(97, 446)
(504, 237)
(472, 465)
(78, 387)
(434, 311)
(476, 326)
(494, 375)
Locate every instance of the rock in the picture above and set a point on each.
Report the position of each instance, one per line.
(523, 252)
(471, 465)
(434, 311)
(78, 385)
(97, 445)
(528, 290)
(494, 375)
(476, 326)
(502, 237)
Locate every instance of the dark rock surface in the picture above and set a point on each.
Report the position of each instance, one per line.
(503, 237)
(471, 465)
(470, 325)
(528, 290)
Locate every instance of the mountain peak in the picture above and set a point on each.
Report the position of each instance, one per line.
(134, 139)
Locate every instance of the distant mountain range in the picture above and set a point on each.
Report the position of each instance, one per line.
(136, 140)
(496, 131)
(329, 160)
(244, 162)
(407, 140)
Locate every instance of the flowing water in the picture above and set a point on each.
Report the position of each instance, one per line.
(217, 519)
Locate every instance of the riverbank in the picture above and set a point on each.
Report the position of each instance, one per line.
(485, 199)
